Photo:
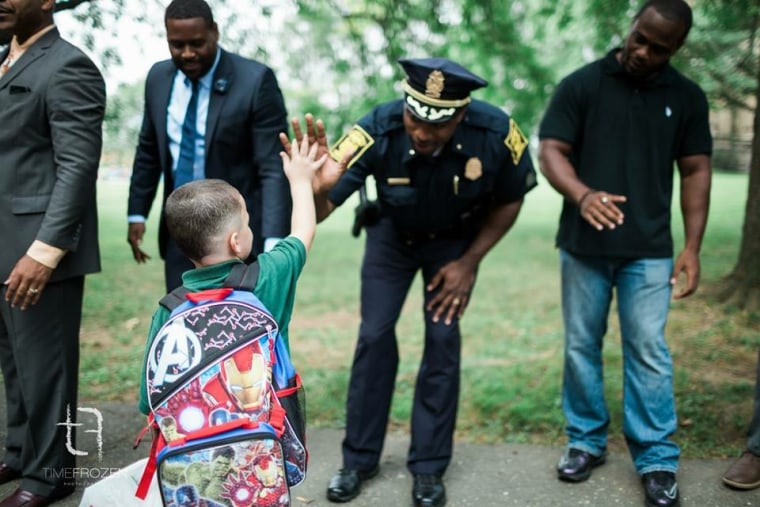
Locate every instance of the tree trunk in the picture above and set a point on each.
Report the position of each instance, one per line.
(742, 286)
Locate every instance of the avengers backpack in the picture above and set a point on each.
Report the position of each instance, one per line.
(227, 406)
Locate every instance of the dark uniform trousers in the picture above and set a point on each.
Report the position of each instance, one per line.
(39, 354)
(388, 270)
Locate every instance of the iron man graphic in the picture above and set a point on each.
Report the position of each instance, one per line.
(240, 386)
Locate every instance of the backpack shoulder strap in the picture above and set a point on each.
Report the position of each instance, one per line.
(243, 276)
(174, 298)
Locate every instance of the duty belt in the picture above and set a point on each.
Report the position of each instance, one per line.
(413, 238)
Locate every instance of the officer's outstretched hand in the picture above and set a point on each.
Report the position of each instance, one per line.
(454, 282)
(314, 129)
(327, 175)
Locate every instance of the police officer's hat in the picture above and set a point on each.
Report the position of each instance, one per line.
(435, 88)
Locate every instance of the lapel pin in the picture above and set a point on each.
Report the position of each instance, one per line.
(220, 86)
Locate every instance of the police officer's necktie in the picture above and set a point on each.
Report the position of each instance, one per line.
(186, 161)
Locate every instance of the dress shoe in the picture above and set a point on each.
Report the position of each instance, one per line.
(575, 465)
(7, 474)
(428, 491)
(346, 484)
(661, 489)
(23, 498)
(744, 473)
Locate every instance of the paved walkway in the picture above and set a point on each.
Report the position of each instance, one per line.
(480, 475)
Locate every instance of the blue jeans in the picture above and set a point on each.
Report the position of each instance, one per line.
(643, 299)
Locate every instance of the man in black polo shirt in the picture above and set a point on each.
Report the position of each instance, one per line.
(608, 142)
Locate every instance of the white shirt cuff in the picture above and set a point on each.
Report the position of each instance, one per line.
(269, 243)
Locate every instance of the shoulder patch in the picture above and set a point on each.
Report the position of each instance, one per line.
(356, 140)
(515, 141)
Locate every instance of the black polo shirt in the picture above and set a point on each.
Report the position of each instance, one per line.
(486, 163)
(625, 136)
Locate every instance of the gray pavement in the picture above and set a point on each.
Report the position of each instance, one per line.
(480, 475)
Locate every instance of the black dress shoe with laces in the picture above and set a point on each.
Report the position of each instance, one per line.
(575, 465)
(428, 491)
(661, 489)
(346, 484)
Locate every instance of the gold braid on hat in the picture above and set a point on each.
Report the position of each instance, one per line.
(426, 99)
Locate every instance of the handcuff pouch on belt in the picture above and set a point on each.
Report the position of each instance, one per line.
(366, 213)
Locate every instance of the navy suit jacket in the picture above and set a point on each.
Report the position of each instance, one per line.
(246, 112)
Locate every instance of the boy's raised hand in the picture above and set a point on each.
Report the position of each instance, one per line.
(302, 164)
(312, 146)
(315, 131)
(331, 171)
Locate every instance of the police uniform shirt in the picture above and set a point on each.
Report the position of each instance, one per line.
(486, 163)
(625, 136)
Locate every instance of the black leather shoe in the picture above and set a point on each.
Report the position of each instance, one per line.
(428, 491)
(661, 489)
(575, 465)
(23, 498)
(8, 474)
(346, 484)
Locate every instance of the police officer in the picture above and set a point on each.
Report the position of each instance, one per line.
(451, 173)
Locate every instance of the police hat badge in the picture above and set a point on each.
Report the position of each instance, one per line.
(436, 88)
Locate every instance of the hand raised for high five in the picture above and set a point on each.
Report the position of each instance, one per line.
(327, 175)
(301, 162)
(314, 129)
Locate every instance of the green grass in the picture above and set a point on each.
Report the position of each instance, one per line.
(512, 332)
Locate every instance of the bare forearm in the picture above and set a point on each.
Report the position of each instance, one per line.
(324, 207)
(303, 220)
(695, 204)
(497, 224)
(560, 172)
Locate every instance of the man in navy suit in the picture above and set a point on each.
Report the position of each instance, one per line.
(240, 112)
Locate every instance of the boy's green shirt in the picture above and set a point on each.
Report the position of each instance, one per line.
(279, 270)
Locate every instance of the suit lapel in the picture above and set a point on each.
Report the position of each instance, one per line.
(162, 96)
(220, 85)
(37, 50)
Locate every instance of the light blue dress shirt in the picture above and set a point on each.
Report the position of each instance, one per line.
(182, 89)
(179, 98)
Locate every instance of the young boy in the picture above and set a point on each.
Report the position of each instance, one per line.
(209, 222)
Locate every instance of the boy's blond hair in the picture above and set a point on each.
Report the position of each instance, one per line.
(199, 215)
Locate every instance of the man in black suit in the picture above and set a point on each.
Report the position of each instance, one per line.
(240, 112)
(52, 102)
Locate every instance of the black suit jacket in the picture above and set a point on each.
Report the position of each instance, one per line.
(246, 113)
